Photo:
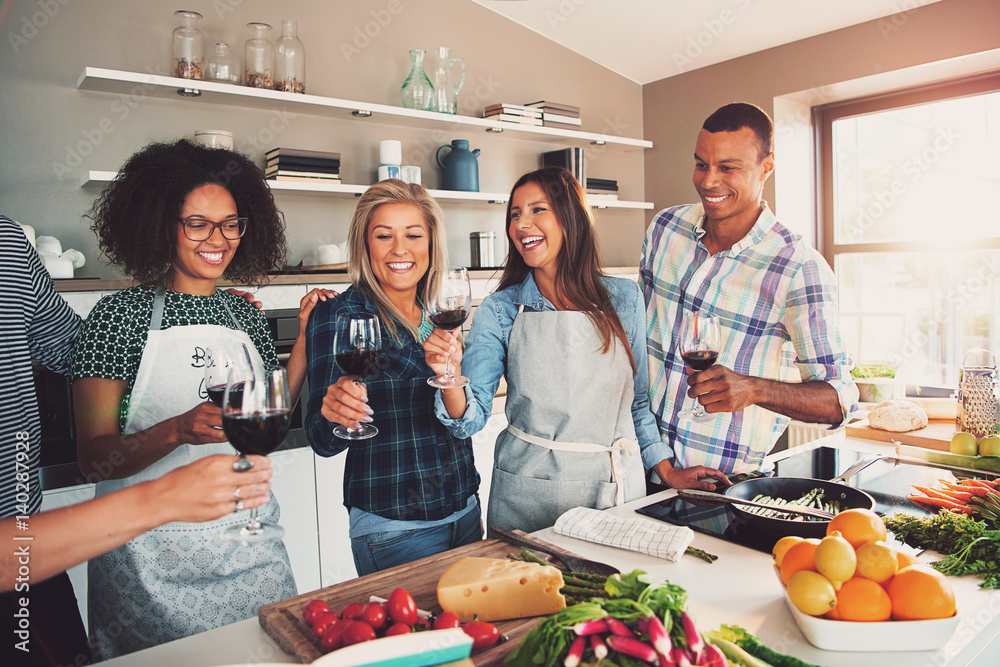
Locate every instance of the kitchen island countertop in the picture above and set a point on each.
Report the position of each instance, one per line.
(738, 589)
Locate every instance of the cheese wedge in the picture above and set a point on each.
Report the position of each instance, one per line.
(495, 589)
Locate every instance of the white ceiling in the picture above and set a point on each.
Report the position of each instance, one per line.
(649, 40)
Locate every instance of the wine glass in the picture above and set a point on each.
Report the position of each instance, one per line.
(700, 340)
(219, 361)
(357, 342)
(448, 300)
(256, 414)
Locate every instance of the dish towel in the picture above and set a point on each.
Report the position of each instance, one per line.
(642, 535)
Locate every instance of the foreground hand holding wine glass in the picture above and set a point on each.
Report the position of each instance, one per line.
(448, 300)
(700, 341)
(256, 415)
(357, 342)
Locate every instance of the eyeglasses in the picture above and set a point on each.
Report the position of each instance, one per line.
(200, 229)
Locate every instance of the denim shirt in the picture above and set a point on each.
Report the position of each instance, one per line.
(485, 358)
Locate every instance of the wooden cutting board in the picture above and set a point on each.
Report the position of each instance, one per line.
(936, 435)
(283, 620)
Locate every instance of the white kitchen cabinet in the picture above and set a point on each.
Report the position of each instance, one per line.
(294, 484)
(336, 559)
(64, 497)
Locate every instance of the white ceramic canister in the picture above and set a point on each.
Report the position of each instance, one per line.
(215, 138)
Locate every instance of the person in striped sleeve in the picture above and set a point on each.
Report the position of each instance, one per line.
(782, 355)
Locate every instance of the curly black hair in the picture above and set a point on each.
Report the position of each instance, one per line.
(136, 217)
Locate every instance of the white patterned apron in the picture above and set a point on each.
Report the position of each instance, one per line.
(181, 578)
(571, 439)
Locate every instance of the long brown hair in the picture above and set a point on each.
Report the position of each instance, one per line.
(359, 267)
(578, 269)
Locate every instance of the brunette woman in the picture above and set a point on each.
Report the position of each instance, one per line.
(572, 344)
(176, 219)
(411, 489)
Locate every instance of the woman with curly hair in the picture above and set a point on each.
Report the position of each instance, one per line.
(411, 490)
(177, 218)
(571, 342)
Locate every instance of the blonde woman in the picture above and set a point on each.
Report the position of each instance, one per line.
(411, 490)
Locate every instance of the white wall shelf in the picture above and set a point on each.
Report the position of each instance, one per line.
(145, 84)
(97, 178)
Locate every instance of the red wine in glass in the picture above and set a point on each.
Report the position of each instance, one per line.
(700, 341)
(256, 414)
(700, 359)
(258, 433)
(448, 300)
(357, 344)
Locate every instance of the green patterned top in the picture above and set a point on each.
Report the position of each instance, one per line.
(114, 334)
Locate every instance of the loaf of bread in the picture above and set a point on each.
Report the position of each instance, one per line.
(897, 416)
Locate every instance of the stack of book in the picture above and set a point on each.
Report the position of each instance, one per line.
(298, 164)
(513, 113)
(556, 114)
(570, 158)
(602, 188)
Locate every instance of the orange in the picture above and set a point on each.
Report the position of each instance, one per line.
(861, 599)
(800, 556)
(921, 592)
(858, 526)
(905, 560)
(782, 546)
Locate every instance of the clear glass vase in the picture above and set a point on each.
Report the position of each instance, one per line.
(445, 88)
(418, 93)
(189, 46)
(222, 65)
(258, 60)
(289, 60)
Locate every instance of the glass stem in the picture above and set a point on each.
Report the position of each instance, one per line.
(447, 370)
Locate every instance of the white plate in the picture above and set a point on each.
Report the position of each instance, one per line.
(888, 636)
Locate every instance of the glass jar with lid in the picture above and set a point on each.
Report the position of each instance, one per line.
(258, 61)
(222, 65)
(189, 46)
(289, 60)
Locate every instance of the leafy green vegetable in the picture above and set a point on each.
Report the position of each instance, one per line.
(864, 371)
(752, 644)
(969, 547)
(549, 642)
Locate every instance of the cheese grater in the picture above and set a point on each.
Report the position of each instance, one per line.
(978, 394)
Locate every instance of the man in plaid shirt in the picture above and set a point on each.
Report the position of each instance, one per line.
(782, 355)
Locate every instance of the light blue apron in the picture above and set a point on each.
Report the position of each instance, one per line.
(182, 578)
(571, 439)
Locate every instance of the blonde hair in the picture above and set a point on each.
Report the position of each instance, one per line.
(359, 268)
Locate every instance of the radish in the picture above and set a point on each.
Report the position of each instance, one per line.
(694, 641)
(713, 657)
(680, 657)
(575, 652)
(598, 646)
(591, 627)
(634, 648)
(618, 628)
(658, 636)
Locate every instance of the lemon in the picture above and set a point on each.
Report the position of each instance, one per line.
(811, 593)
(835, 559)
(877, 561)
(782, 546)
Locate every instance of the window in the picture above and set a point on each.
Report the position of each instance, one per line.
(910, 222)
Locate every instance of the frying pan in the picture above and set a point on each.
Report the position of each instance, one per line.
(791, 488)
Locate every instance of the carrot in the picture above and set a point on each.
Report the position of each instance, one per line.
(939, 493)
(937, 502)
(965, 489)
(986, 483)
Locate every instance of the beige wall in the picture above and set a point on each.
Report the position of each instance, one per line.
(47, 122)
(675, 108)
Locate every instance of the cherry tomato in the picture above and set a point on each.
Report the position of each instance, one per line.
(484, 635)
(312, 609)
(402, 607)
(357, 632)
(374, 615)
(333, 638)
(352, 611)
(398, 629)
(447, 619)
(324, 621)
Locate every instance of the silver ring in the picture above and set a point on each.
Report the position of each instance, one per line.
(236, 493)
(239, 505)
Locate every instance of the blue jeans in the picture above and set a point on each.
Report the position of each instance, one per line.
(379, 551)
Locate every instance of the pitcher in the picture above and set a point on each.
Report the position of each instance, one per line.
(446, 94)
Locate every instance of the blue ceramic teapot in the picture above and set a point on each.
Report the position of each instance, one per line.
(459, 169)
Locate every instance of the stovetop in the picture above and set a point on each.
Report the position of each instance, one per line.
(887, 482)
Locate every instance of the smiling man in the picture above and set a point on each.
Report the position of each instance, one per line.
(781, 355)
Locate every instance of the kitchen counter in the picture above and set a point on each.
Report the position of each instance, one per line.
(740, 588)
